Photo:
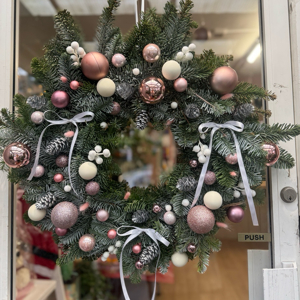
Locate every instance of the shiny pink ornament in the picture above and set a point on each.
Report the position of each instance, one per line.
(193, 163)
(111, 234)
(60, 231)
(84, 206)
(39, 171)
(127, 195)
(139, 265)
(235, 214)
(136, 248)
(231, 159)
(60, 99)
(58, 177)
(102, 215)
(233, 174)
(62, 161)
(191, 248)
(226, 96)
(151, 53)
(200, 219)
(74, 85)
(210, 178)
(63, 79)
(69, 134)
(118, 60)
(92, 188)
(116, 108)
(180, 84)
(169, 218)
(87, 243)
(273, 153)
(224, 80)
(156, 208)
(16, 155)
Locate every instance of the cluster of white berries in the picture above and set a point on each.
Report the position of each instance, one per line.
(111, 250)
(241, 189)
(202, 152)
(77, 53)
(185, 55)
(96, 154)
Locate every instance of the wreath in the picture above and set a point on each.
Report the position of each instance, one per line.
(58, 145)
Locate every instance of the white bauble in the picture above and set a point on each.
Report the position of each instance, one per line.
(36, 214)
(136, 71)
(106, 87)
(169, 218)
(67, 188)
(87, 170)
(168, 207)
(236, 194)
(185, 202)
(98, 148)
(212, 200)
(179, 259)
(103, 125)
(171, 70)
(174, 105)
(192, 47)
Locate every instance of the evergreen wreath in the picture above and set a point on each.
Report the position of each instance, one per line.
(74, 190)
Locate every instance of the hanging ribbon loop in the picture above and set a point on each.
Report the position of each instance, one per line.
(233, 126)
(132, 234)
(79, 118)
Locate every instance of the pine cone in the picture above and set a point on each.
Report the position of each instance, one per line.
(192, 111)
(142, 120)
(243, 111)
(36, 101)
(46, 201)
(125, 90)
(57, 145)
(140, 216)
(148, 254)
(186, 184)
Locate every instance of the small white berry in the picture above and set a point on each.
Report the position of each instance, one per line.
(103, 125)
(203, 147)
(70, 50)
(174, 105)
(253, 193)
(207, 152)
(74, 58)
(244, 192)
(189, 56)
(76, 63)
(67, 188)
(106, 153)
(185, 202)
(74, 45)
(200, 153)
(80, 51)
(202, 159)
(196, 148)
(120, 178)
(111, 248)
(136, 71)
(241, 185)
(103, 258)
(236, 194)
(118, 244)
(91, 158)
(98, 148)
(180, 55)
(99, 160)
(192, 47)
(168, 207)
(106, 254)
(92, 154)
(202, 136)
(115, 251)
(185, 49)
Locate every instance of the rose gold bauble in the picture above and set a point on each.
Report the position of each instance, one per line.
(191, 248)
(273, 153)
(87, 243)
(102, 215)
(139, 265)
(116, 108)
(231, 159)
(210, 178)
(224, 80)
(180, 84)
(92, 188)
(60, 99)
(62, 161)
(60, 231)
(200, 219)
(64, 215)
(136, 248)
(235, 214)
(156, 208)
(94, 65)
(152, 90)
(193, 163)
(111, 234)
(151, 53)
(118, 60)
(16, 155)
(74, 85)
(58, 177)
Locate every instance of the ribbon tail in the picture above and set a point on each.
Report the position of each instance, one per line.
(70, 156)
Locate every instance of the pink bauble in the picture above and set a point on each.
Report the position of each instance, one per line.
(58, 177)
(235, 214)
(92, 188)
(37, 117)
(60, 231)
(169, 218)
(74, 85)
(111, 234)
(136, 248)
(200, 219)
(191, 248)
(156, 208)
(210, 178)
(151, 53)
(226, 96)
(69, 134)
(139, 265)
(231, 159)
(84, 206)
(102, 215)
(63, 79)
(62, 161)
(39, 171)
(180, 84)
(94, 65)
(60, 99)
(193, 163)
(233, 174)
(118, 60)
(64, 215)
(87, 243)
(116, 108)
(224, 80)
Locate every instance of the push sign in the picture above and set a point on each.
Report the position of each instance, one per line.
(254, 237)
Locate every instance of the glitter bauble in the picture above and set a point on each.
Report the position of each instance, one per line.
(92, 188)
(58, 177)
(37, 117)
(224, 80)
(39, 171)
(139, 265)
(111, 234)
(74, 85)
(116, 108)
(232, 159)
(16, 155)
(118, 60)
(94, 65)
(64, 215)
(102, 215)
(151, 53)
(87, 243)
(156, 208)
(273, 153)
(169, 218)
(193, 163)
(212, 200)
(210, 178)
(180, 85)
(200, 219)
(60, 231)
(136, 248)
(60, 99)
(152, 90)
(62, 161)
(191, 248)
(235, 214)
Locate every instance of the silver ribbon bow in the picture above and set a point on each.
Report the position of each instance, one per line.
(133, 233)
(86, 116)
(232, 126)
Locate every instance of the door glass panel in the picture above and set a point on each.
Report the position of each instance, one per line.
(228, 27)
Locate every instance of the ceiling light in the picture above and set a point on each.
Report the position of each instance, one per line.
(254, 54)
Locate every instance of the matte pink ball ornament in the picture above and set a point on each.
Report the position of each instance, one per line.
(210, 178)
(37, 117)
(116, 108)
(58, 177)
(232, 159)
(111, 234)
(63, 79)
(180, 85)
(39, 171)
(60, 99)
(137, 248)
(200, 219)
(87, 243)
(60, 231)
(224, 80)
(235, 214)
(139, 265)
(62, 161)
(102, 215)
(156, 208)
(64, 215)
(118, 60)
(74, 85)
(92, 188)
